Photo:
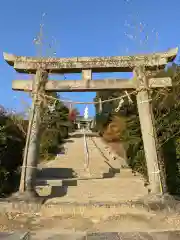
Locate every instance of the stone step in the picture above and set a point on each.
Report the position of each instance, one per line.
(15, 236)
(136, 235)
(62, 182)
(124, 174)
(127, 173)
(69, 181)
(110, 189)
(102, 220)
(77, 182)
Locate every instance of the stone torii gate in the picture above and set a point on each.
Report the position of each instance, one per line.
(144, 68)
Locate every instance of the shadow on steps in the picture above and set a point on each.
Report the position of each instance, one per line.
(56, 173)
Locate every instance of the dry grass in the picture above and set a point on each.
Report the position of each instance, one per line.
(114, 129)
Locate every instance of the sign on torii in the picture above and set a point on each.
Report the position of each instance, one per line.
(140, 65)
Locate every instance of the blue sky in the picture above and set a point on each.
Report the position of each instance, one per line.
(83, 28)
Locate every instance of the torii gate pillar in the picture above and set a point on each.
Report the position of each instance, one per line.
(147, 129)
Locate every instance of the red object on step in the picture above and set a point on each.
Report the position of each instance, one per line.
(72, 115)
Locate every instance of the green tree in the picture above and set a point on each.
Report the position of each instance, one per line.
(54, 126)
(12, 141)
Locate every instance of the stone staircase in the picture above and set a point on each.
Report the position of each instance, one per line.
(65, 180)
(107, 204)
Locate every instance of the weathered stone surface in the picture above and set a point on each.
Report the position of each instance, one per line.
(14, 236)
(97, 64)
(93, 85)
(166, 235)
(59, 236)
(169, 235)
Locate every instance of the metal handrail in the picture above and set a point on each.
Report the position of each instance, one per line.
(86, 151)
